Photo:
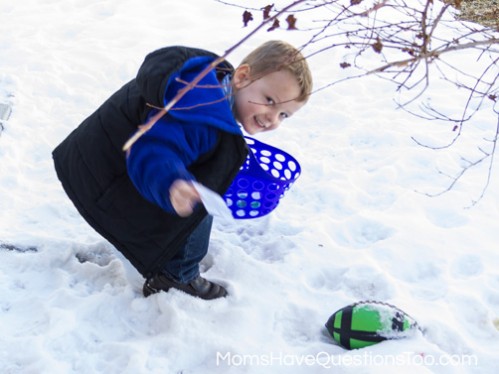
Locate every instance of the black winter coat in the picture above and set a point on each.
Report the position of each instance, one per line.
(91, 166)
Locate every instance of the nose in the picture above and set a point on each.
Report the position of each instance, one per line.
(273, 118)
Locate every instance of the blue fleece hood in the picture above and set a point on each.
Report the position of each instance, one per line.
(206, 103)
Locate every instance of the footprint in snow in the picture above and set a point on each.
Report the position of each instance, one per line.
(299, 324)
(361, 282)
(326, 278)
(446, 217)
(365, 282)
(466, 266)
(98, 254)
(361, 233)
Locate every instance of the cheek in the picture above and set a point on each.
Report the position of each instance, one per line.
(239, 112)
(243, 107)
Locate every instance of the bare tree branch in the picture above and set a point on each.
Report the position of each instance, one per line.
(408, 43)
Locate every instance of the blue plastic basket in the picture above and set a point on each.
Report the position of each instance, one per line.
(262, 181)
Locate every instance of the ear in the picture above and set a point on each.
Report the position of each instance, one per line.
(241, 77)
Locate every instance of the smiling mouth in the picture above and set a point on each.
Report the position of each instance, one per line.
(259, 123)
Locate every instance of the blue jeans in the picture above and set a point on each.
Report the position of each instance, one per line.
(184, 266)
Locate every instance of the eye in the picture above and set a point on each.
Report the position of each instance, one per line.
(270, 101)
(283, 115)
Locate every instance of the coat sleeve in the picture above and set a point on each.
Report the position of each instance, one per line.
(163, 155)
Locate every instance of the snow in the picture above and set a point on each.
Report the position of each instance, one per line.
(357, 225)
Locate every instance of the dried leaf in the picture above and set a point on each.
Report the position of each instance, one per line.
(454, 3)
(355, 2)
(378, 46)
(410, 51)
(291, 20)
(266, 11)
(275, 25)
(247, 16)
(345, 65)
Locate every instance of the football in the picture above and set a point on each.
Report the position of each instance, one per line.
(366, 323)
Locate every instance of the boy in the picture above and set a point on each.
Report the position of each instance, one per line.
(142, 201)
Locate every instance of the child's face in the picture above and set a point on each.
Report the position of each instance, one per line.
(262, 105)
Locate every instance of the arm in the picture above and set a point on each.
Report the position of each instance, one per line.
(159, 160)
(164, 153)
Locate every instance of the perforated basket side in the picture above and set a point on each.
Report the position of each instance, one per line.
(262, 181)
(273, 161)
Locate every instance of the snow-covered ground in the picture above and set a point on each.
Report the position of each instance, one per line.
(357, 224)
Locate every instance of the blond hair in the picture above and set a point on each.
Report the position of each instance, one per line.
(276, 55)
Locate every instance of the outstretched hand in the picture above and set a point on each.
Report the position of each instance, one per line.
(183, 197)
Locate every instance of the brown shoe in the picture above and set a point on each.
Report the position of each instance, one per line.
(199, 287)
